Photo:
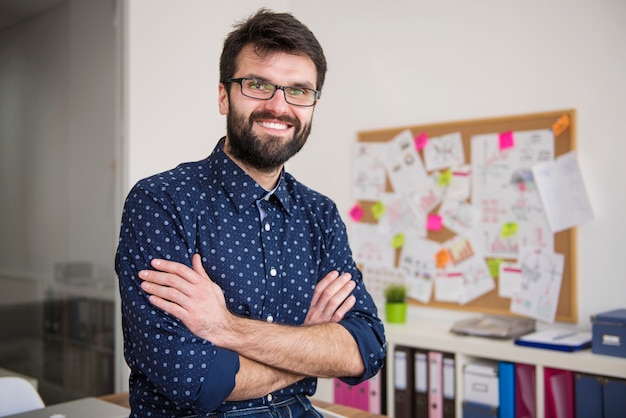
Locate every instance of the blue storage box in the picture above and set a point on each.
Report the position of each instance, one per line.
(609, 333)
(478, 410)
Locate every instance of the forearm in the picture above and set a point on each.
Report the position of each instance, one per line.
(323, 350)
(255, 380)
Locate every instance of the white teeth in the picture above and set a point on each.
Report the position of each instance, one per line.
(273, 125)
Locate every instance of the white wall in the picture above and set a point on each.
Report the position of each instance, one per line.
(399, 63)
(34, 145)
(58, 141)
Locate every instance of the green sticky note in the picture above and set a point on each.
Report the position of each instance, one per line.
(509, 229)
(494, 266)
(378, 209)
(445, 177)
(398, 241)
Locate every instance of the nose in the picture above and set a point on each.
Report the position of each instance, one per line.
(279, 101)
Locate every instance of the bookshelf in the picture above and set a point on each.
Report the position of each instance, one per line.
(434, 335)
(78, 346)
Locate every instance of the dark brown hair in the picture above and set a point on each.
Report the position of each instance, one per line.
(270, 32)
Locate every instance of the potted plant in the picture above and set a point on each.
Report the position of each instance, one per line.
(396, 304)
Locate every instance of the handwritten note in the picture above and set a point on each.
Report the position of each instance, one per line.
(444, 151)
(542, 273)
(563, 192)
(418, 262)
(402, 162)
(369, 171)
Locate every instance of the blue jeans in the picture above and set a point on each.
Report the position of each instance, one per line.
(298, 406)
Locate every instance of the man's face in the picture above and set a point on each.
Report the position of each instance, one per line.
(264, 134)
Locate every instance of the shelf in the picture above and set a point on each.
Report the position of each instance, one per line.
(435, 335)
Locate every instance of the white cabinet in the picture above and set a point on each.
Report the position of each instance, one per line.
(432, 334)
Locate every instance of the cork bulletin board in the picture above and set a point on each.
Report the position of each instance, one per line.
(564, 241)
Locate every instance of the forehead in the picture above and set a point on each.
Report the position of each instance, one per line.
(277, 67)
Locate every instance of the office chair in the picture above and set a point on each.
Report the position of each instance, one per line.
(18, 395)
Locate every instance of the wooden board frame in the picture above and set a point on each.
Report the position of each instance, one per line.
(564, 241)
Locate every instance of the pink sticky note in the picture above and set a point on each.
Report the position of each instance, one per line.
(506, 140)
(420, 141)
(356, 213)
(433, 223)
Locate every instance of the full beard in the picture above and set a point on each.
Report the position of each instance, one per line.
(267, 153)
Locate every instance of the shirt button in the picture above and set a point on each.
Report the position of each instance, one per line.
(269, 397)
(267, 227)
(273, 272)
(270, 319)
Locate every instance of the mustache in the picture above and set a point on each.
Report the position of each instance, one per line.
(264, 114)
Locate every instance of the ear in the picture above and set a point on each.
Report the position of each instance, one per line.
(222, 98)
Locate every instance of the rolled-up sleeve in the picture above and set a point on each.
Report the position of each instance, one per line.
(362, 321)
(165, 358)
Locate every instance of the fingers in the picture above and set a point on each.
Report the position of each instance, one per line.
(331, 299)
(335, 292)
(323, 284)
(196, 262)
(171, 280)
(344, 308)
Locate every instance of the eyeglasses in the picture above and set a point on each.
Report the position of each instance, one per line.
(262, 90)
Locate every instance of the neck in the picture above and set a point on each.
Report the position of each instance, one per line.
(268, 179)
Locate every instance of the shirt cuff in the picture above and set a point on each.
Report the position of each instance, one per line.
(219, 380)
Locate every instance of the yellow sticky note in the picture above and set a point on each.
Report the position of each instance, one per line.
(445, 177)
(378, 210)
(398, 241)
(494, 266)
(509, 229)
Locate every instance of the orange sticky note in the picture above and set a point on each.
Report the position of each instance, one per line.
(433, 223)
(442, 258)
(420, 141)
(560, 125)
(506, 140)
(356, 213)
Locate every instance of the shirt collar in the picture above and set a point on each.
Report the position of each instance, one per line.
(239, 186)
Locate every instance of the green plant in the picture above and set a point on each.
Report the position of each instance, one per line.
(395, 293)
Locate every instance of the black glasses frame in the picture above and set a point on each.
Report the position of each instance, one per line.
(276, 88)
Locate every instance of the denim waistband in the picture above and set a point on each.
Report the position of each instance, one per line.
(283, 407)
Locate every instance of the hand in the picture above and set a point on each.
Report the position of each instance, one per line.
(331, 299)
(189, 295)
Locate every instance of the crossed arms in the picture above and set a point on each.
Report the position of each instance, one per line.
(272, 356)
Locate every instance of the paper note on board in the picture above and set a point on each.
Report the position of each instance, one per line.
(418, 263)
(503, 191)
(542, 273)
(444, 151)
(509, 280)
(370, 246)
(563, 192)
(369, 171)
(403, 163)
(398, 215)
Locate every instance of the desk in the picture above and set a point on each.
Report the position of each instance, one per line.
(122, 400)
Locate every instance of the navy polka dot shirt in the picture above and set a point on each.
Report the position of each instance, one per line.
(266, 266)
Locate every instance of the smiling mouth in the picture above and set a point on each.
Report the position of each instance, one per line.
(274, 125)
